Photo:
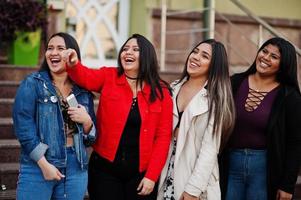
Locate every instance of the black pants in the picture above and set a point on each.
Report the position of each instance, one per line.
(114, 181)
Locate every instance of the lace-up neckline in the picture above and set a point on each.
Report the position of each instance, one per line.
(254, 99)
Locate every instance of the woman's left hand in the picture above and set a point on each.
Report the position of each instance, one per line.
(281, 195)
(79, 114)
(186, 196)
(146, 186)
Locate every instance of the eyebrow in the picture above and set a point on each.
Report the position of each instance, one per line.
(51, 45)
(206, 53)
(274, 54)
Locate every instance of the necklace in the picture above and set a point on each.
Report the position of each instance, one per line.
(131, 78)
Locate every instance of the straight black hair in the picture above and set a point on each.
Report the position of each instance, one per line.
(148, 67)
(221, 103)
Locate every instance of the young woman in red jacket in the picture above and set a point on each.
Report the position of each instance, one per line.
(134, 121)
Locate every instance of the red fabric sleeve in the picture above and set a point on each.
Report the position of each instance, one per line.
(162, 139)
(90, 79)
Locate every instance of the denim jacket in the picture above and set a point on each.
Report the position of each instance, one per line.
(38, 122)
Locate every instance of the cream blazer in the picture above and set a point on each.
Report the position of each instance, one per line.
(196, 166)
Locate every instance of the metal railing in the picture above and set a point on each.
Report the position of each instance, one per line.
(261, 24)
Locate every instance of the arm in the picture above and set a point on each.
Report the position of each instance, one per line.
(160, 147)
(205, 163)
(24, 115)
(90, 79)
(87, 118)
(292, 143)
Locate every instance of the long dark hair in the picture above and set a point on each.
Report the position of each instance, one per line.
(148, 67)
(70, 43)
(221, 103)
(287, 73)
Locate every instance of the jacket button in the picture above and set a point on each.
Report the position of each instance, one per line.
(145, 130)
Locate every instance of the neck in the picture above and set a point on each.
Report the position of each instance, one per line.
(264, 80)
(60, 79)
(197, 81)
(262, 83)
(131, 76)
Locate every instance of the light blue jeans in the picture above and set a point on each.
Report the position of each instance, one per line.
(247, 175)
(32, 185)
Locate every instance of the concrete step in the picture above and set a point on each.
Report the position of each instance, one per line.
(6, 128)
(9, 175)
(8, 89)
(14, 73)
(6, 107)
(9, 151)
(8, 194)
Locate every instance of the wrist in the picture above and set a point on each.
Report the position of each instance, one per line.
(87, 125)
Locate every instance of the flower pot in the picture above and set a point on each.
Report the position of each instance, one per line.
(25, 49)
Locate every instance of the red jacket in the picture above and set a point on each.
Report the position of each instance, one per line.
(113, 109)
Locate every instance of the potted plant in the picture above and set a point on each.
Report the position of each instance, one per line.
(21, 22)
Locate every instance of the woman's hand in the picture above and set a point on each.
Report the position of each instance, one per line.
(80, 115)
(186, 196)
(281, 195)
(70, 57)
(146, 186)
(50, 172)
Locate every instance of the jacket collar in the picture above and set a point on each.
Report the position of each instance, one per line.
(121, 80)
(47, 83)
(197, 105)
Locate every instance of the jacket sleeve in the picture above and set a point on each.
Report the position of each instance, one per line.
(205, 163)
(90, 138)
(24, 115)
(292, 132)
(90, 79)
(162, 139)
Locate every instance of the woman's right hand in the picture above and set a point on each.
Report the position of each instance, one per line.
(70, 57)
(186, 196)
(50, 172)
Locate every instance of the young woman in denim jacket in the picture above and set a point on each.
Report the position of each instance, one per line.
(52, 134)
(134, 121)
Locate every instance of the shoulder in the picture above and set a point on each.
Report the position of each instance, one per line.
(31, 78)
(174, 83)
(238, 77)
(292, 95)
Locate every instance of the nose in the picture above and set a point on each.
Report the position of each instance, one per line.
(196, 56)
(266, 56)
(129, 51)
(54, 51)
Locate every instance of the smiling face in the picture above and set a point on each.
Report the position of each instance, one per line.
(130, 58)
(52, 54)
(199, 61)
(268, 61)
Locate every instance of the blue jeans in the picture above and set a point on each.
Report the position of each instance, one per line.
(32, 185)
(247, 175)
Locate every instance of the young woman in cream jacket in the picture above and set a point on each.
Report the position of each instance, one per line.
(203, 116)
